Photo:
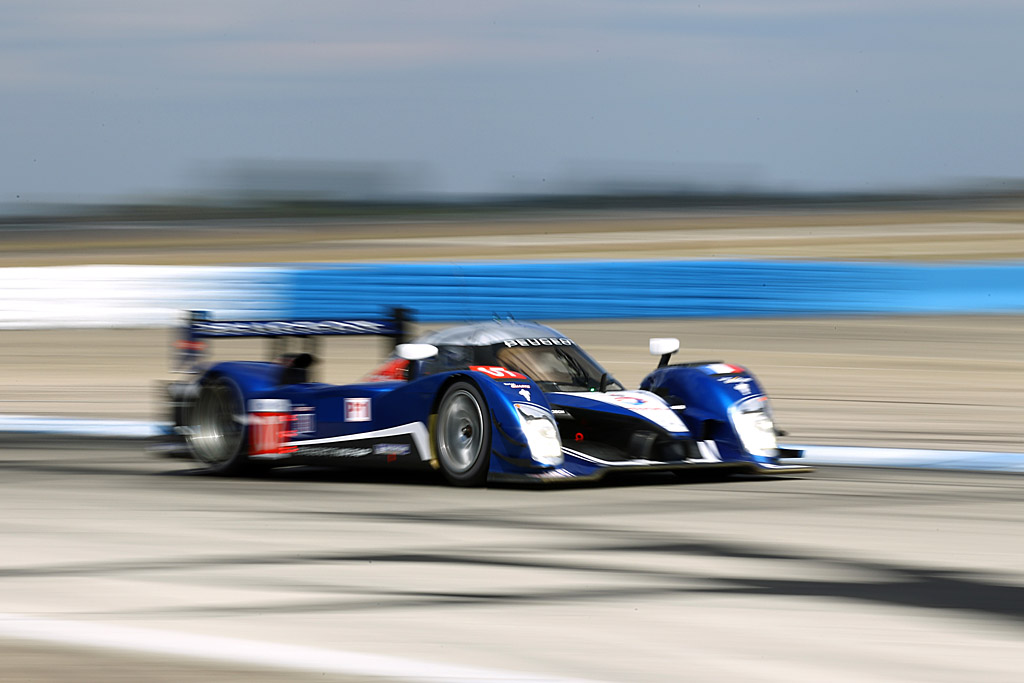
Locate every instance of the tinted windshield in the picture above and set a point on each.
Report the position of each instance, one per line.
(556, 368)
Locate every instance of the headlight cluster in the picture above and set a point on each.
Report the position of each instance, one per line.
(753, 422)
(541, 434)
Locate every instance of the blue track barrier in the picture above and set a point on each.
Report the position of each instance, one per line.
(638, 289)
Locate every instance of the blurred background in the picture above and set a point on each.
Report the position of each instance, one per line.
(126, 102)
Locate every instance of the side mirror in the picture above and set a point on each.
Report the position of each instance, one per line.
(664, 347)
(413, 352)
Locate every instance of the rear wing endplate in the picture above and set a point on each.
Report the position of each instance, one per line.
(190, 347)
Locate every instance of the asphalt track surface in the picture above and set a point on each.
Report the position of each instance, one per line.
(846, 574)
(118, 565)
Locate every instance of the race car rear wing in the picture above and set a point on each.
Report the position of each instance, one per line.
(190, 348)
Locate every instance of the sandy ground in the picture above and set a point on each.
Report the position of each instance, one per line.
(929, 382)
(992, 234)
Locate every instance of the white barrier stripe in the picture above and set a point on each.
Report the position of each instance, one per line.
(909, 457)
(41, 424)
(249, 652)
(110, 296)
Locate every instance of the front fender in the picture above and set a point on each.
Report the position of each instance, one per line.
(510, 449)
(712, 394)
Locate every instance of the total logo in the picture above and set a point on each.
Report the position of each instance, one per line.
(357, 410)
(646, 404)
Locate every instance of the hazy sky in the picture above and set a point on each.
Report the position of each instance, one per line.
(112, 98)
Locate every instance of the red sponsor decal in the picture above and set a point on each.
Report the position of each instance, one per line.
(270, 432)
(497, 372)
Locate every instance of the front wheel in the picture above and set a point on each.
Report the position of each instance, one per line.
(462, 435)
(217, 427)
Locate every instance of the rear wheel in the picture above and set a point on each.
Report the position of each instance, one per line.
(462, 435)
(217, 427)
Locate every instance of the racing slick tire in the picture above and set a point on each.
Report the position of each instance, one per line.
(462, 435)
(217, 434)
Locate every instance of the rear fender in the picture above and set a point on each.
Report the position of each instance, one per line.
(253, 378)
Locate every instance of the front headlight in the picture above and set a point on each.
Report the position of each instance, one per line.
(541, 434)
(754, 425)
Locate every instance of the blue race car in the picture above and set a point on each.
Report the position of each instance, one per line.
(501, 401)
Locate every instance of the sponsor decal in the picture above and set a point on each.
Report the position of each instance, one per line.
(630, 401)
(525, 393)
(740, 384)
(497, 372)
(418, 432)
(513, 385)
(540, 341)
(332, 452)
(357, 410)
(305, 420)
(270, 405)
(270, 426)
(392, 449)
(560, 473)
(287, 327)
(636, 402)
(650, 406)
(269, 432)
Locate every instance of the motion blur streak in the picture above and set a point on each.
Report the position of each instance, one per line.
(250, 652)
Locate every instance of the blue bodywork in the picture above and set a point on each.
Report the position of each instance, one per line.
(682, 417)
(399, 415)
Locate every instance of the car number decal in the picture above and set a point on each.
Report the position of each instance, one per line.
(497, 372)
